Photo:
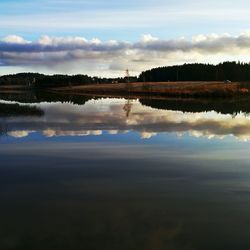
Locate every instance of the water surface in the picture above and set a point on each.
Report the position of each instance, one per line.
(122, 174)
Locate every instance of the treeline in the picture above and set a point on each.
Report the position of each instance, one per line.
(233, 71)
(36, 80)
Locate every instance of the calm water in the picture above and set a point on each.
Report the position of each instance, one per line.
(120, 174)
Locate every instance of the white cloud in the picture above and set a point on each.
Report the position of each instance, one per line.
(53, 133)
(15, 39)
(149, 38)
(19, 134)
(147, 135)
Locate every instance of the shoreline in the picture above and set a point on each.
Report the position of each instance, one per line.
(227, 105)
(146, 89)
(166, 89)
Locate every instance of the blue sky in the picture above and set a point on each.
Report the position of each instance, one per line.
(123, 21)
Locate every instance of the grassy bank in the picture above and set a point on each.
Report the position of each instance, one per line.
(176, 89)
(168, 89)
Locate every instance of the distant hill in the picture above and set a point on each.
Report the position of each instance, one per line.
(233, 71)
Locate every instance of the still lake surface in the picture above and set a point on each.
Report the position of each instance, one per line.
(122, 174)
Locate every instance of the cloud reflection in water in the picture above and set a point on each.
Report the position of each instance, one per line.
(120, 116)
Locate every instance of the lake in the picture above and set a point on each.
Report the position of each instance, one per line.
(113, 173)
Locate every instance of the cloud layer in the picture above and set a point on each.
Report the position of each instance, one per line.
(77, 54)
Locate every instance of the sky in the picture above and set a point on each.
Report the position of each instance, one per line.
(104, 38)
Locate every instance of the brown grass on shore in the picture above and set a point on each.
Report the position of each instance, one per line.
(182, 89)
(171, 89)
